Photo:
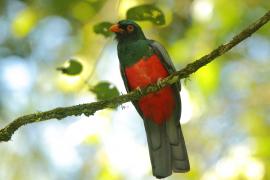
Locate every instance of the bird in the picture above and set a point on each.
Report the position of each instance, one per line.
(143, 62)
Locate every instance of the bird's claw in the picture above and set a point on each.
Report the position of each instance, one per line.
(159, 83)
(139, 90)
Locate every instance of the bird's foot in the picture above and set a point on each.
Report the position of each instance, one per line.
(139, 90)
(159, 83)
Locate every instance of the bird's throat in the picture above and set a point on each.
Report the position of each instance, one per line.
(130, 52)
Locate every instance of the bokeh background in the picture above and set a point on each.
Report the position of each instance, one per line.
(226, 105)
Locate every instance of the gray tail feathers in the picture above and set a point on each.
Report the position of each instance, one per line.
(167, 148)
(180, 162)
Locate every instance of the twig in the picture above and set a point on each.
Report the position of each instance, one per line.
(90, 108)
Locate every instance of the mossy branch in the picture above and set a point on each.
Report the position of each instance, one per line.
(90, 108)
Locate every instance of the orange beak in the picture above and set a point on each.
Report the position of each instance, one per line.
(116, 29)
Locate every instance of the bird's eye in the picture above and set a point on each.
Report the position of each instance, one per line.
(130, 28)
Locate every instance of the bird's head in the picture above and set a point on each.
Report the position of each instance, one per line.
(127, 30)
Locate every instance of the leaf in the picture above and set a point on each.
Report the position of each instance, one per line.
(92, 139)
(74, 68)
(103, 28)
(105, 90)
(146, 12)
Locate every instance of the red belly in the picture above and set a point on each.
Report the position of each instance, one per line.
(158, 106)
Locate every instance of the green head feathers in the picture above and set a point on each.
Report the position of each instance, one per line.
(127, 30)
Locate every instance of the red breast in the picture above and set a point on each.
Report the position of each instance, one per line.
(158, 106)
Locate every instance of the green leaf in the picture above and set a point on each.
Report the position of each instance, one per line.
(74, 68)
(103, 28)
(146, 12)
(105, 90)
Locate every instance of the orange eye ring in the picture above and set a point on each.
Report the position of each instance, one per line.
(130, 28)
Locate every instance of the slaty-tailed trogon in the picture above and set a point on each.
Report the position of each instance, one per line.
(142, 62)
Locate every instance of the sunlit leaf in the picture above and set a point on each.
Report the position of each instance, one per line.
(92, 139)
(106, 173)
(82, 11)
(103, 28)
(24, 22)
(105, 90)
(208, 77)
(146, 12)
(74, 68)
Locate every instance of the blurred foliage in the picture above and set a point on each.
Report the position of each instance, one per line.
(74, 68)
(146, 12)
(24, 22)
(103, 28)
(225, 104)
(105, 90)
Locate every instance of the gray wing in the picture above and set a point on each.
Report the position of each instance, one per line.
(165, 58)
(123, 74)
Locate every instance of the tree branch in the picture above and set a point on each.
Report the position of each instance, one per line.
(90, 108)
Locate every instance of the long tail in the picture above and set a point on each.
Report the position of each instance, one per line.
(167, 148)
(180, 162)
